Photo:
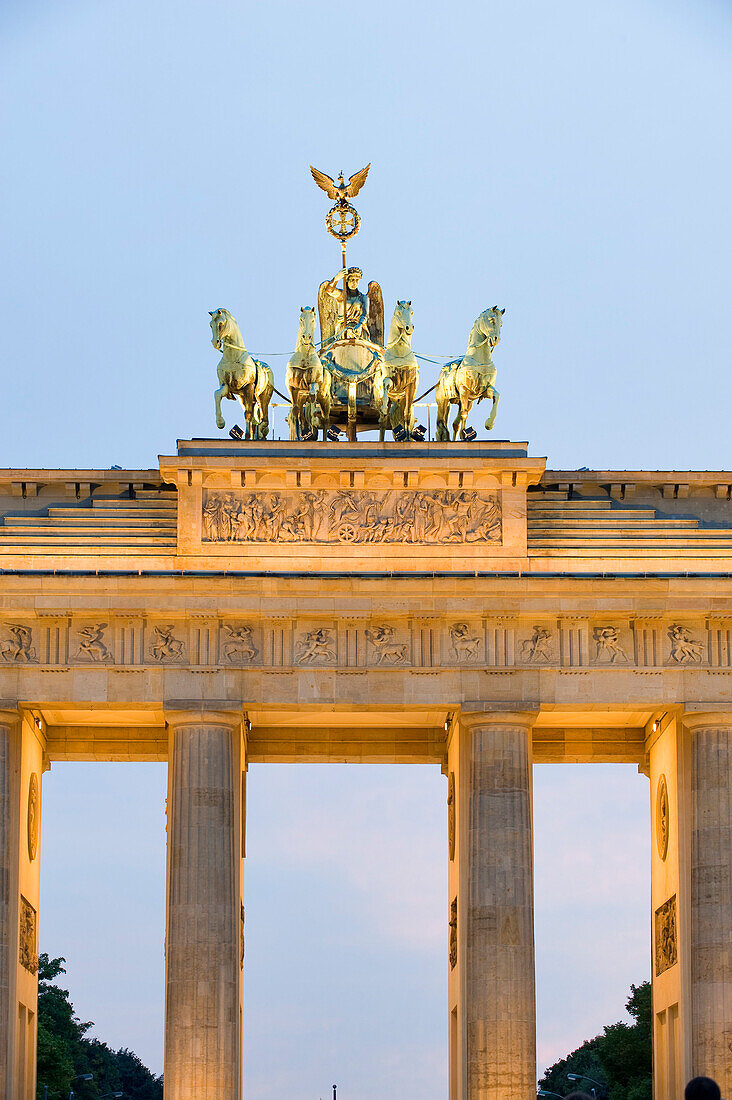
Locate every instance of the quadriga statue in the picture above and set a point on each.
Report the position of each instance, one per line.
(401, 370)
(463, 381)
(307, 381)
(241, 376)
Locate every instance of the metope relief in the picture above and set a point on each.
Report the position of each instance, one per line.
(385, 647)
(316, 647)
(666, 938)
(238, 646)
(684, 647)
(165, 647)
(19, 647)
(92, 644)
(353, 516)
(537, 649)
(464, 644)
(608, 647)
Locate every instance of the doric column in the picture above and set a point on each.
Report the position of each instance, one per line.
(21, 768)
(492, 1001)
(711, 894)
(204, 938)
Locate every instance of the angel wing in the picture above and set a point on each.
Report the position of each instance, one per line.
(327, 312)
(376, 312)
(325, 183)
(356, 182)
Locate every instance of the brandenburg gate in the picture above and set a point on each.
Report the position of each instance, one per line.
(450, 602)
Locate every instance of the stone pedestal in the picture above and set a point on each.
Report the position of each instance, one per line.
(491, 987)
(711, 895)
(204, 940)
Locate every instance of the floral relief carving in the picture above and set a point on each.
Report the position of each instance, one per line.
(19, 647)
(241, 649)
(536, 649)
(465, 645)
(607, 645)
(353, 516)
(33, 816)
(683, 646)
(167, 647)
(316, 647)
(92, 646)
(388, 650)
(662, 817)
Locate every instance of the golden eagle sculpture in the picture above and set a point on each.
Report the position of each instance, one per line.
(340, 192)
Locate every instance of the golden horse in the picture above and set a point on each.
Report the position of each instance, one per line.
(401, 371)
(463, 381)
(251, 380)
(308, 383)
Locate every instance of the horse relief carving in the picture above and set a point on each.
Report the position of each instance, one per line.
(167, 647)
(465, 645)
(92, 646)
(388, 650)
(355, 516)
(607, 644)
(240, 649)
(683, 646)
(316, 647)
(20, 649)
(536, 649)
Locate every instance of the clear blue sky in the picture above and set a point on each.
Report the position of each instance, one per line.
(569, 161)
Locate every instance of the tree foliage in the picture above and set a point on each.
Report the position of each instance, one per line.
(619, 1059)
(64, 1051)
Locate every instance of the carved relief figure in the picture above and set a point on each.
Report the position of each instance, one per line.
(241, 647)
(607, 644)
(451, 815)
(536, 648)
(32, 822)
(353, 516)
(388, 650)
(167, 647)
(453, 933)
(683, 646)
(316, 647)
(91, 643)
(20, 649)
(28, 942)
(465, 645)
(662, 817)
(666, 938)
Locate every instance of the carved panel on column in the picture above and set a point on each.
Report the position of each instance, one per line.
(32, 818)
(451, 815)
(662, 817)
(666, 940)
(453, 934)
(28, 945)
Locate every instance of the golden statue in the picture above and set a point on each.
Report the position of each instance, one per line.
(359, 317)
(463, 381)
(251, 380)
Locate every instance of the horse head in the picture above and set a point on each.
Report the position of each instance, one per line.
(224, 329)
(306, 331)
(489, 323)
(402, 323)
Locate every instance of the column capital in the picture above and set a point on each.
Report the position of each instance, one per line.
(181, 713)
(9, 715)
(697, 716)
(498, 714)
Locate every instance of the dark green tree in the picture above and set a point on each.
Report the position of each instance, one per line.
(64, 1051)
(619, 1059)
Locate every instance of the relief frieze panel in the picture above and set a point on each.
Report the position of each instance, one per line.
(354, 516)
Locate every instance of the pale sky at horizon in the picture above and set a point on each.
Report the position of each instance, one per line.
(570, 162)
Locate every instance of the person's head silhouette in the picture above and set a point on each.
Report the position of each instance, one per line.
(702, 1088)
